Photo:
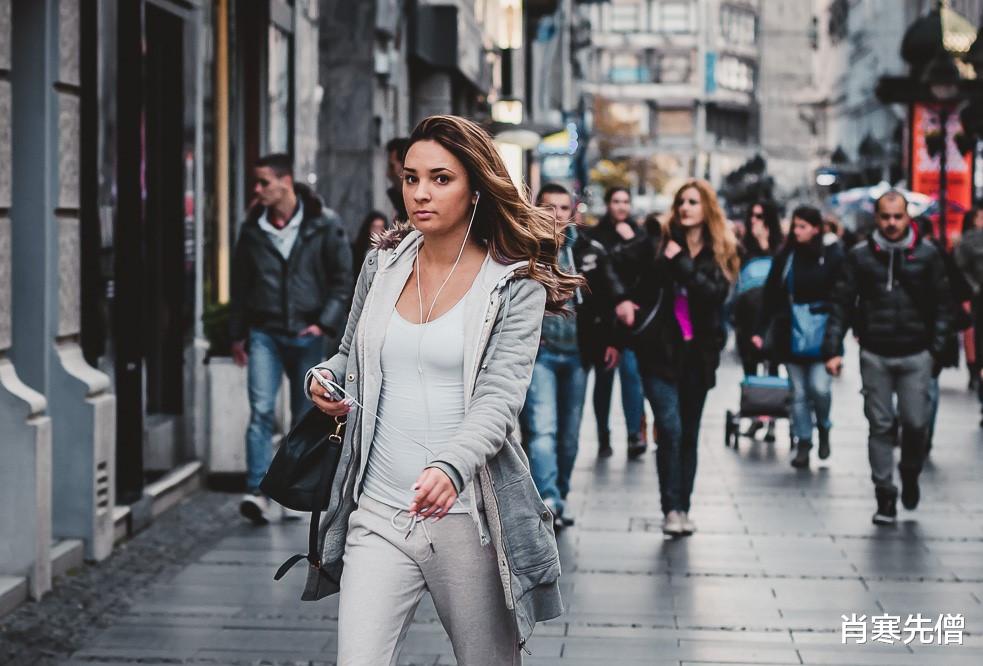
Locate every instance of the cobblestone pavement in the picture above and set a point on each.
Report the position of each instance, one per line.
(779, 557)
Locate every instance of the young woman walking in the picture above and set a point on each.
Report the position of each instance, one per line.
(615, 228)
(687, 265)
(373, 225)
(796, 293)
(760, 244)
(433, 491)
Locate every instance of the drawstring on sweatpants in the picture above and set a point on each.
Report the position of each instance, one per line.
(410, 525)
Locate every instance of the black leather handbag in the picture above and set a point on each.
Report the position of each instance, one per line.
(302, 473)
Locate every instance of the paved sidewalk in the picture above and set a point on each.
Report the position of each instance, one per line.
(780, 555)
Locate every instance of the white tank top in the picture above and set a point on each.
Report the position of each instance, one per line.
(424, 401)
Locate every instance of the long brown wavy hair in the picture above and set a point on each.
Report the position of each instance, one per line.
(510, 226)
(721, 238)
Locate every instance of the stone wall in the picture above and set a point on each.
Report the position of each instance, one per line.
(25, 432)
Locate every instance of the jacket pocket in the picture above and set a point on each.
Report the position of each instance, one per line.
(527, 527)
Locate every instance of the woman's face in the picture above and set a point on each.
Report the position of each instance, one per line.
(758, 227)
(803, 231)
(436, 190)
(377, 227)
(619, 207)
(690, 208)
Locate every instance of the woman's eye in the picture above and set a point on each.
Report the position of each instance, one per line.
(409, 179)
(443, 180)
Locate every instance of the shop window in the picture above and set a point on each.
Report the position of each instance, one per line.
(675, 68)
(625, 16)
(627, 68)
(735, 74)
(675, 122)
(737, 25)
(673, 16)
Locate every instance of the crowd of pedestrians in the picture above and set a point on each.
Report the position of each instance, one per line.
(658, 298)
(665, 292)
(461, 439)
(658, 293)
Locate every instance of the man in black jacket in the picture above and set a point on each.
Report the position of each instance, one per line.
(291, 284)
(894, 291)
(569, 346)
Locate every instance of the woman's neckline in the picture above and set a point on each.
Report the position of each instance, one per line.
(456, 304)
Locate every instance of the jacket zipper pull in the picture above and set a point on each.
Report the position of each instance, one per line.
(890, 271)
(522, 646)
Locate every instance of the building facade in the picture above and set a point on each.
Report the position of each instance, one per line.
(127, 133)
(790, 137)
(673, 86)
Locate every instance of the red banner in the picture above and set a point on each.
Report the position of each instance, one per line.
(926, 122)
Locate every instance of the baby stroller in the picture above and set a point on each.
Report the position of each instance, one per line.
(760, 396)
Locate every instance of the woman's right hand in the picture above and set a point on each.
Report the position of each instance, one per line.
(671, 249)
(624, 230)
(319, 396)
(757, 341)
(625, 312)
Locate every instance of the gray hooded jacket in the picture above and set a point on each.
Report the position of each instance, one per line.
(503, 319)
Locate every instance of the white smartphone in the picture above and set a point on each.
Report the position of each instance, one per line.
(336, 393)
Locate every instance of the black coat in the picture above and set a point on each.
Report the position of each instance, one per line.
(285, 296)
(814, 273)
(898, 301)
(660, 347)
(605, 234)
(746, 308)
(595, 309)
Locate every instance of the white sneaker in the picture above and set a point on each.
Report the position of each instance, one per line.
(673, 524)
(290, 515)
(688, 525)
(255, 508)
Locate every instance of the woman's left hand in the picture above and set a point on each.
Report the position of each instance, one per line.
(435, 494)
(672, 249)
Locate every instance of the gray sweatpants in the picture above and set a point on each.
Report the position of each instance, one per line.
(909, 378)
(386, 574)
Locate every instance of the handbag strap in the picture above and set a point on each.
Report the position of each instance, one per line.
(313, 550)
(787, 277)
(313, 547)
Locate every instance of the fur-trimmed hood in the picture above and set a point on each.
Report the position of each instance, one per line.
(391, 238)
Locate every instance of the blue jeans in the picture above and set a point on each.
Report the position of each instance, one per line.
(810, 395)
(551, 422)
(270, 356)
(678, 408)
(632, 400)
